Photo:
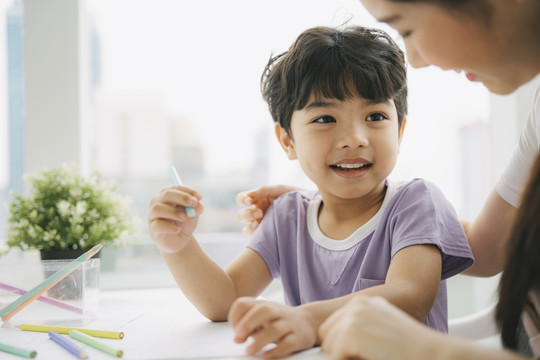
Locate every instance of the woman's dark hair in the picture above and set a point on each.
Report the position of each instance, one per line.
(522, 271)
(333, 63)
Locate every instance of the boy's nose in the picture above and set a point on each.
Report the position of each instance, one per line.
(352, 137)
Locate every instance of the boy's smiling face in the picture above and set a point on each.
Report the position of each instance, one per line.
(347, 148)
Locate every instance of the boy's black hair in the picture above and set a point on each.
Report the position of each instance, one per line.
(335, 63)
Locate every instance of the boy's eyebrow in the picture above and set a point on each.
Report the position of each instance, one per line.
(375, 102)
(319, 104)
(327, 104)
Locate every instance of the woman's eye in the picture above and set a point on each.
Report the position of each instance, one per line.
(405, 34)
(375, 117)
(324, 120)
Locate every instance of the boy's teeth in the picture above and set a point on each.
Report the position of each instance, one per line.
(350, 166)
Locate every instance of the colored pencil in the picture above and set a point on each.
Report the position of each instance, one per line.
(11, 309)
(29, 354)
(89, 340)
(70, 346)
(44, 299)
(176, 178)
(65, 330)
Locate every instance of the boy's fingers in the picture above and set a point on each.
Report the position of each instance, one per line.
(165, 212)
(239, 308)
(183, 199)
(285, 347)
(246, 316)
(184, 189)
(171, 202)
(159, 227)
(256, 318)
(271, 333)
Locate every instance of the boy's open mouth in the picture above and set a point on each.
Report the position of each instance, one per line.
(351, 167)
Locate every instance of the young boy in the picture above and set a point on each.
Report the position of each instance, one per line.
(338, 98)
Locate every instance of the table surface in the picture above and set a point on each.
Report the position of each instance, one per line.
(157, 323)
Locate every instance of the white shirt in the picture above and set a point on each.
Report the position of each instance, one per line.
(514, 178)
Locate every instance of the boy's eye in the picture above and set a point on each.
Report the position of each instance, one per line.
(324, 120)
(375, 117)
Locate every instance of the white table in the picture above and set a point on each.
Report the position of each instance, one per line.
(157, 323)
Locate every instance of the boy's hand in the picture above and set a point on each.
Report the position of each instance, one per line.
(258, 201)
(170, 228)
(289, 328)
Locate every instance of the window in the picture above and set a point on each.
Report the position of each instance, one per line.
(177, 83)
(11, 103)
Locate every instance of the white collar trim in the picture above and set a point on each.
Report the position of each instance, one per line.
(357, 236)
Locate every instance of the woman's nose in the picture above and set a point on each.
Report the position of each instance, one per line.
(414, 57)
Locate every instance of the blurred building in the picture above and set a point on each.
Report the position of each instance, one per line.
(16, 109)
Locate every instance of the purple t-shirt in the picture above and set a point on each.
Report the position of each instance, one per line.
(314, 267)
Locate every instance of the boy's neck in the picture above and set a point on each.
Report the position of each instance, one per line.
(339, 218)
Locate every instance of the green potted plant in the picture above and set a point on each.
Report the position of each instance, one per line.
(66, 213)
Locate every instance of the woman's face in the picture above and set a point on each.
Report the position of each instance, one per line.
(484, 50)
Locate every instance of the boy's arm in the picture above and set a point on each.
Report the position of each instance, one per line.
(412, 284)
(211, 289)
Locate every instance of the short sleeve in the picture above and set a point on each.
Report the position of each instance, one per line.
(264, 240)
(283, 226)
(513, 179)
(420, 215)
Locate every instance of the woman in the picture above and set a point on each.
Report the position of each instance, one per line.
(494, 42)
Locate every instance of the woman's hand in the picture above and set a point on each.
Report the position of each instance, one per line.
(291, 329)
(371, 328)
(258, 201)
(169, 226)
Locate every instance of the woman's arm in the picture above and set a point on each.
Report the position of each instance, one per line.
(487, 236)
(373, 329)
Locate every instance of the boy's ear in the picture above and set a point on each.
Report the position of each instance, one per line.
(401, 130)
(286, 142)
